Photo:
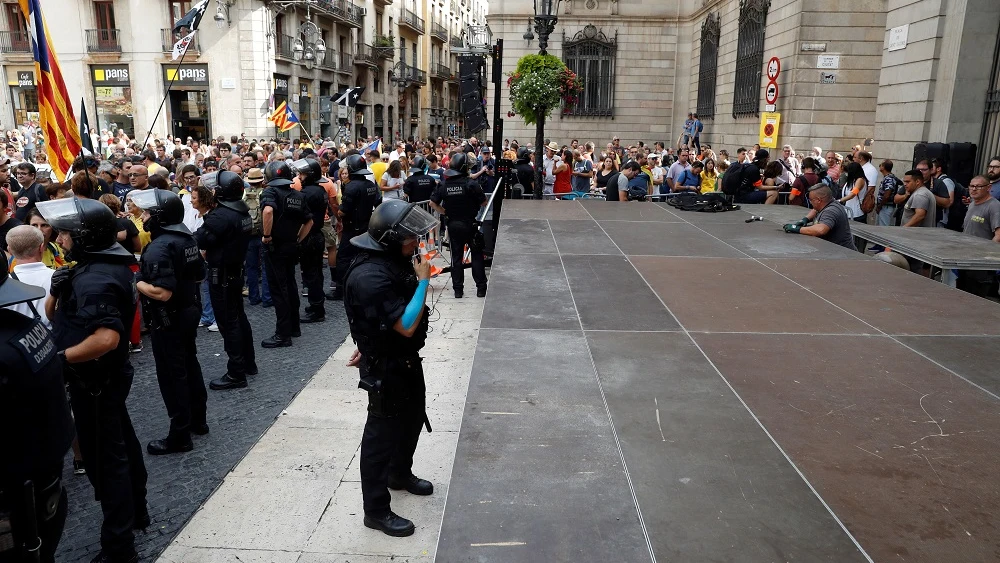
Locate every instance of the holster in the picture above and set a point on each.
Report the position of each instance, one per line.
(160, 316)
(223, 275)
(391, 385)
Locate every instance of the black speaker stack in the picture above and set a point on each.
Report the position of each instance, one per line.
(471, 90)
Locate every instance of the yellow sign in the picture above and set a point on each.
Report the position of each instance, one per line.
(171, 74)
(98, 75)
(769, 130)
(104, 91)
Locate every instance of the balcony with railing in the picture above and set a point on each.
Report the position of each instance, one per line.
(439, 32)
(383, 3)
(330, 60)
(104, 41)
(168, 38)
(364, 55)
(412, 20)
(343, 11)
(284, 47)
(15, 42)
(457, 40)
(440, 71)
(345, 63)
(384, 47)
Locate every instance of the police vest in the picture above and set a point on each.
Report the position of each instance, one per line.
(317, 203)
(290, 212)
(363, 195)
(373, 337)
(174, 258)
(459, 200)
(34, 415)
(232, 229)
(419, 187)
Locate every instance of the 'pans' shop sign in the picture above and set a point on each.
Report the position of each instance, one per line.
(186, 75)
(110, 75)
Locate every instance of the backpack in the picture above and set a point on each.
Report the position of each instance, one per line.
(868, 203)
(732, 180)
(958, 209)
(252, 199)
(638, 188)
(700, 127)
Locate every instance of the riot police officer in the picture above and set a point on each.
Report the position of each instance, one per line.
(419, 186)
(459, 200)
(92, 306)
(169, 272)
(384, 298)
(358, 199)
(311, 249)
(37, 427)
(287, 221)
(224, 237)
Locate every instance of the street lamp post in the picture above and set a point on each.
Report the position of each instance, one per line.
(545, 22)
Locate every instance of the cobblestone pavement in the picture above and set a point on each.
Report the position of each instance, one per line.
(180, 483)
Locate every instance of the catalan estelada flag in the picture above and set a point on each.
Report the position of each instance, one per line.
(283, 117)
(62, 136)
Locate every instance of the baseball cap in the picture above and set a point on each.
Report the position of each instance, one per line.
(487, 150)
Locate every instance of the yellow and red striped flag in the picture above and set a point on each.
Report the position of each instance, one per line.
(62, 136)
(283, 117)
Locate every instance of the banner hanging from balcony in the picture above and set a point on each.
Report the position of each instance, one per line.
(192, 19)
(62, 138)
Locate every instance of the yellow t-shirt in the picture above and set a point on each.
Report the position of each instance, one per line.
(708, 181)
(378, 168)
(144, 237)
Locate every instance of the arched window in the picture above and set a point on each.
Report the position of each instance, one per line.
(708, 65)
(591, 55)
(750, 57)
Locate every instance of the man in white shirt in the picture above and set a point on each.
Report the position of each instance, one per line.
(26, 244)
(397, 152)
(871, 173)
(789, 165)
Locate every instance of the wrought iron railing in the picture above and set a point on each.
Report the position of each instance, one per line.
(343, 10)
(439, 31)
(364, 54)
(412, 20)
(168, 38)
(15, 42)
(104, 41)
(284, 46)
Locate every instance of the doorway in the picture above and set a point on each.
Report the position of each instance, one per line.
(189, 111)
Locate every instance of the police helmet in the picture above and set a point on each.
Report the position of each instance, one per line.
(309, 168)
(458, 166)
(165, 209)
(357, 166)
(523, 155)
(392, 223)
(14, 291)
(230, 187)
(90, 223)
(418, 165)
(278, 174)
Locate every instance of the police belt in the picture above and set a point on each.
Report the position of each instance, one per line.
(222, 275)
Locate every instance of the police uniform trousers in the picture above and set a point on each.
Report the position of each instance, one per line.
(113, 457)
(460, 233)
(178, 371)
(389, 440)
(311, 251)
(237, 337)
(279, 265)
(50, 527)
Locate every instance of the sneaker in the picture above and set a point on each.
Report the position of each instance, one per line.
(201, 324)
(134, 348)
(78, 468)
(214, 327)
(246, 292)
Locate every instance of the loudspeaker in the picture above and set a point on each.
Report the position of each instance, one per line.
(929, 151)
(471, 89)
(962, 162)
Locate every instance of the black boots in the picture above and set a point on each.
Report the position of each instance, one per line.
(227, 382)
(312, 318)
(169, 445)
(277, 341)
(413, 485)
(481, 291)
(391, 524)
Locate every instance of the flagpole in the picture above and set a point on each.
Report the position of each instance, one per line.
(170, 85)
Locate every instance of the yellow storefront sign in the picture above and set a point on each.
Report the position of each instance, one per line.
(769, 130)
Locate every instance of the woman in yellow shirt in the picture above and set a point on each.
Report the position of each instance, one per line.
(134, 214)
(709, 176)
(52, 256)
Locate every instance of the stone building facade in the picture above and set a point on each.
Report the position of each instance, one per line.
(895, 71)
(116, 56)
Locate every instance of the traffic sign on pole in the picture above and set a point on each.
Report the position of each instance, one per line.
(771, 93)
(773, 69)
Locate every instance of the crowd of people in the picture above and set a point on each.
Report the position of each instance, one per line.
(176, 236)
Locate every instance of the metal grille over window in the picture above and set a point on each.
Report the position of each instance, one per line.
(707, 66)
(750, 57)
(591, 55)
